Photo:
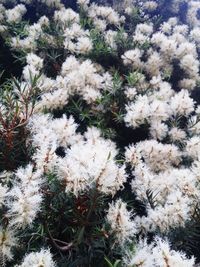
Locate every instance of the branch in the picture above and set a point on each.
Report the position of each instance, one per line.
(63, 248)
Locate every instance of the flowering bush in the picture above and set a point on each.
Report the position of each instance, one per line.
(99, 133)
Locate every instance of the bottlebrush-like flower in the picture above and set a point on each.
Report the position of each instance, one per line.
(133, 58)
(15, 14)
(3, 190)
(38, 259)
(157, 254)
(89, 164)
(35, 61)
(24, 204)
(119, 219)
(7, 242)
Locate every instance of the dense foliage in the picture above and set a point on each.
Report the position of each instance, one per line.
(99, 133)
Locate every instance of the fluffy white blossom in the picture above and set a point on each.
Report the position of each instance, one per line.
(163, 168)
(3, 191)
(133, 58)
(190, 65)
(158, 253)
(110, 38)
(137, 112)
(35, 61)
(150, 5)
(15, 14)
(182, 103)
(37, 259)
(47, 135)
(91, 164)
(177, 134)
(65, 16)
(193, 147)
(24, 199)
(158, 130)
(7, 242)
(84, 45)
(107, 13)
(119, 219)
(24, 206)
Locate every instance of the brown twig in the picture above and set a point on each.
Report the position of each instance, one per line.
(55, 241)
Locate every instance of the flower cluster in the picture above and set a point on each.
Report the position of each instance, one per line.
(100, 136)
(158, 253)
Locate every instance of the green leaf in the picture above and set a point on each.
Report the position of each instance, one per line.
(109, 263)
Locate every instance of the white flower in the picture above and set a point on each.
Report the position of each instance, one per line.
(158, 130)
(166, 27)
(158, 156)
(100, 24)
(35, 61)
(133, 58)
(65, 130)
(195, 35)
(164, 183)
(7, 242)
(45, 157)
(24, 204)
(26, 176)
(153, 64)
(83, 3)
(164, 255)
(119, 219)
(186, 48)
(132, 156)
(29, 72)
(130, 92)
(110, 38)
(34, 31)
(84, 45)
(44, 21)
(182, 103)
(43, 258)
(193, 147)
(159, 110)
(158, 38)
(138, 112)
(107, 13)
(188, 84)
(70, 64)
(190, 65)
(144, 28)
(3, 191)
(158, 253)
(15, 14)
(150, 5)
(65, 16)
(52, 3)
(155, 81)
(91, 164)
(177, 134)
(26, 43)
(192, 15)
(142, 257)
(140, 38)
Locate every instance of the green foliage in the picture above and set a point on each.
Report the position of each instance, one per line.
(151, 197)
(135, 16)
(133, 78)
(110, 264)
(19, 29)
(73, 226)
(16, 106)
(100, 48)
(107, 112)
